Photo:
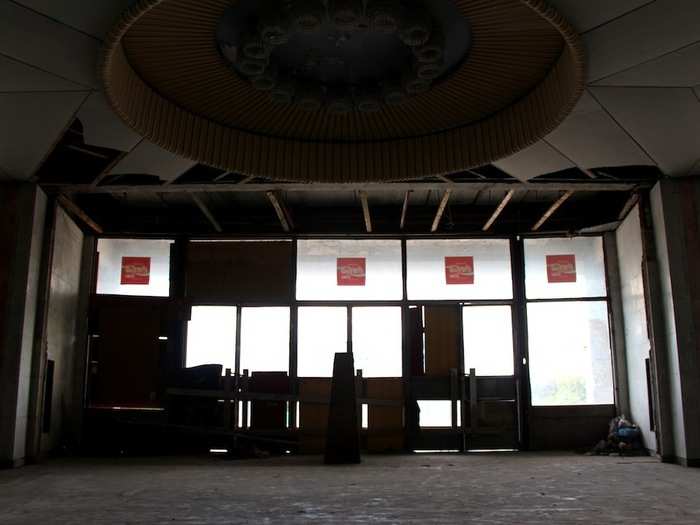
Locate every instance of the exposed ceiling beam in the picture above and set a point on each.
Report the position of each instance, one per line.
(476, 174)
(631, 202)
(105, 172)
(404, 209)
(283, 214)
(554, 207)
(246, 180)
(365, 211)
(601, 228)
(330, 187)
(87, 151)
(222, 176)
(440, 211)
(499, 210)
(206, 212)
(75, 211)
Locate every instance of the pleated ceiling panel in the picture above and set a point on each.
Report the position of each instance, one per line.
(166, 77)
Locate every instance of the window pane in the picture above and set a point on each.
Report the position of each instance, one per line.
(376, 341)
(134, 267)
(211, 336)
(322, 333)
(570, 360)
(265, 339)
(459, 269)
(488, 340)
(564, 268)
(435, 413)
(349, 269)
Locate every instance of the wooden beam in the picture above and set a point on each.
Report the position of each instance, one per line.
(281, 210)
(87, 151)
(222, 176)
(583, 186)
(499, 210)
(554, 207)
(206, 212)
(246, 180)
(631, 203)
(105, 172)
(600, 228)
(76, 212)
(476, 174)
(404, 209)
(440, 210)
(365, 211)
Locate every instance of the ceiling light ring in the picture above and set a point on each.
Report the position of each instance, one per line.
(151, 111)
(281, 20)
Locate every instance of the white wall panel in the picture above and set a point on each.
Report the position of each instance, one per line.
(149, 159)
(102, 127)
(677, 69)
(538, 159)
(645, 34)
(587, 14)
(17, 76)
(95, 17)
(37, 40)
(665, 121)
(637, 345)
(31, 125)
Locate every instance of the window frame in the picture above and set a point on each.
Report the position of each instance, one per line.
(606, 299)
(518, 302)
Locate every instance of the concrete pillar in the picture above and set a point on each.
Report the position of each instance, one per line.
(676, 212)
(22, 221)
(630, 321)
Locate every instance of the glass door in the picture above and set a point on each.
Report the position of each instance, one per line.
(490, 408)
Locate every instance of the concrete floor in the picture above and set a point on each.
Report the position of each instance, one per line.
(479, 488)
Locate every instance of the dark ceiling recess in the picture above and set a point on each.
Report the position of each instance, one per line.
(74, 162)
(344, 55)
(620, 174)
(522, 77)
(200, 173)
(339, 213)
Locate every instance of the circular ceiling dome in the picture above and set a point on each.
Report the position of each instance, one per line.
(343, 90)
(343, 55)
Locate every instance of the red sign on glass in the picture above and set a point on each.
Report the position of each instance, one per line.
(351, 271)
(459, 270)
(136, 270)
(561, 268)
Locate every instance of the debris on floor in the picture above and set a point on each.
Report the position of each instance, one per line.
(624, 438)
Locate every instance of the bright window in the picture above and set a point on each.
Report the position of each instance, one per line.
(488, 340)
(459, 269)
(570, 357)
(559, 268)
(349, 269)
(133, 267)
(211, 337)
(435, 413)
(322, 333)
(376, 341)
(265, 339)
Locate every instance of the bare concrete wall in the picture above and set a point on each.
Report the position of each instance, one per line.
(24, 212)
(61, 326)
(637, 345)
(675, 206)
